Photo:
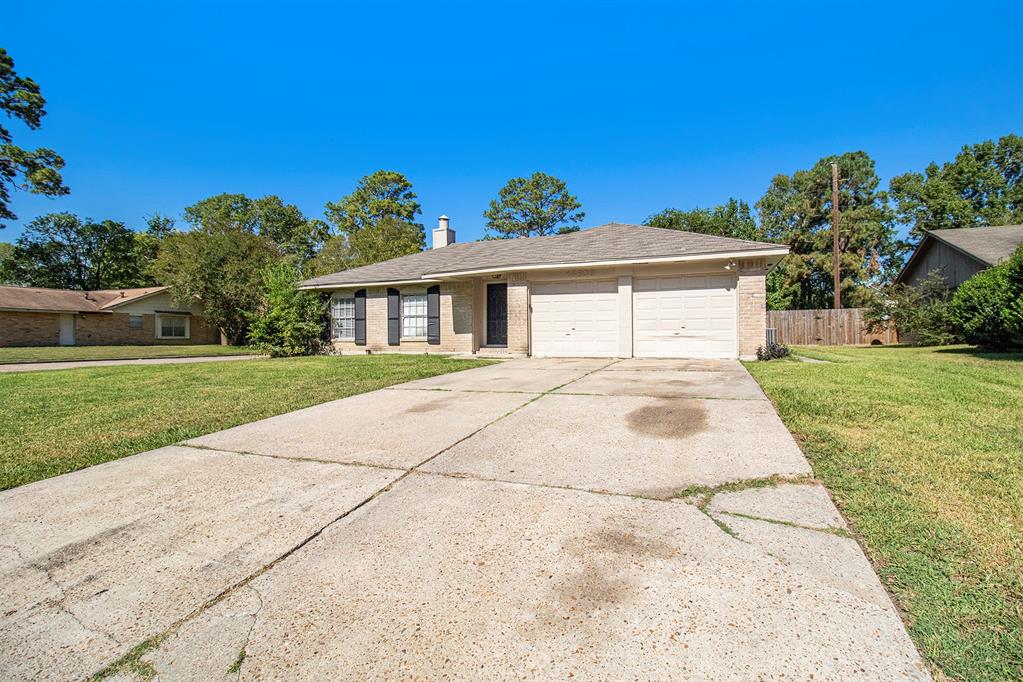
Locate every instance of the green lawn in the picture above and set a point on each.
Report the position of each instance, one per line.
(58, 421)
(922, 450)
(68, 353)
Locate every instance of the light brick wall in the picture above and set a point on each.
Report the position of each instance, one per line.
(97, 329)
(29, 329)
(518, 313)
(752, 293)
(455, 322)
(94, 329)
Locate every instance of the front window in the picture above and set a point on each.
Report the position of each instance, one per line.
(413, 315)
(173, 327)
(342, 318)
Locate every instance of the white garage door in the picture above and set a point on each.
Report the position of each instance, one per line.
(575, 319)
(690, 316)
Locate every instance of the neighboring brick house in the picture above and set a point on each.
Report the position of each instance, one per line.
(610, 291)
(50, 317)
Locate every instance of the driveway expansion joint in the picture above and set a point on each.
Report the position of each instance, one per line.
(312, 460)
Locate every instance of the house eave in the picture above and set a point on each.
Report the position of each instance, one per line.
(354, 285)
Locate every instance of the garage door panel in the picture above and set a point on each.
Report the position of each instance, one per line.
(689, 316)
(575, 319)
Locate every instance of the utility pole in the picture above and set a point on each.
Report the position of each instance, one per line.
(834, 232)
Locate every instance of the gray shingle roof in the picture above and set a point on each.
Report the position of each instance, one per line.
(611, 242)
(68, 300)
(989, 245)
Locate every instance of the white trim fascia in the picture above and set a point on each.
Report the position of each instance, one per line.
(361, 285)
(605, 263)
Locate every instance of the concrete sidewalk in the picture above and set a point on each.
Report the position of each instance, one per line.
(74, 364)
(533, 519)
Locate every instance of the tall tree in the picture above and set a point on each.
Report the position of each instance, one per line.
(62, 251)
(981, 186)
(536, 205)
(383, 194)
(221, 269)
(731, 219)
(795, 210)
(6, 254)
(38, 170)
(281, 223)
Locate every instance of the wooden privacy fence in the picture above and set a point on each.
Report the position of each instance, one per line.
(825, 327)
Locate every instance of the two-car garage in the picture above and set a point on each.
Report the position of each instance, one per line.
(683, 316)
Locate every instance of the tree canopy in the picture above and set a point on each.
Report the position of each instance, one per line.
(221, 269)
(63, 251)
(731, 219)
(34, 170)
(796, 210)
(383, 194)
(281, 223)
(981, 186)
(533, 206)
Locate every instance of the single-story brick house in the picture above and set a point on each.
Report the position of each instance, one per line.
(50, 317)
(959, 254)
(611, 291)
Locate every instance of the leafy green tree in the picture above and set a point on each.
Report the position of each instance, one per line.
(283, 224)
(147, 245)
(221, 269)
(288, 321)
(731, 219)
(536, 205)
(38, 170)
(389, 238)
(796, 210)
(62, 251)
(335, 256)
(383, 194)
(920, 313)
(981, 186)
(286, 226)
(987, 309)
(6, 256)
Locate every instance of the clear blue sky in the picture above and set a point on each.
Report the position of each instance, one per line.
(638, 106)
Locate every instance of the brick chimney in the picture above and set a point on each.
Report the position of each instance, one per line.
(443, 235)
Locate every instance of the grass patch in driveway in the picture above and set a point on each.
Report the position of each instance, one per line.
(62, 420)
(922, 450)
(81, 353)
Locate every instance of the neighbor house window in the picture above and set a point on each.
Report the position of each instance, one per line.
(134, 322)
(342, 318)
(413, 315)
(172, 327)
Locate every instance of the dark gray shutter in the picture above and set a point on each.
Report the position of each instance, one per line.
(360, 317)
(433, 314)
(393, 317)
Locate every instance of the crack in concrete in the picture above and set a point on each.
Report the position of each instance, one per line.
(829, 530)
(252, 626)
(354, 463)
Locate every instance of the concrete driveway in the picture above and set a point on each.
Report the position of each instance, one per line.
(533, 519)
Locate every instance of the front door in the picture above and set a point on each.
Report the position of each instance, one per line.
(67, 330)
(497, 314)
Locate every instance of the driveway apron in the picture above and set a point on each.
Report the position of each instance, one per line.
(596, 519)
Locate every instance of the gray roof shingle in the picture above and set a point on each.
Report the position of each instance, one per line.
(989, 245)
(611, 242)
(69, 300)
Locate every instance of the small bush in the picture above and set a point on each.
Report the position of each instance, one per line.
(988, 308)
(920, 313)
(289, 321)
(773, 351)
